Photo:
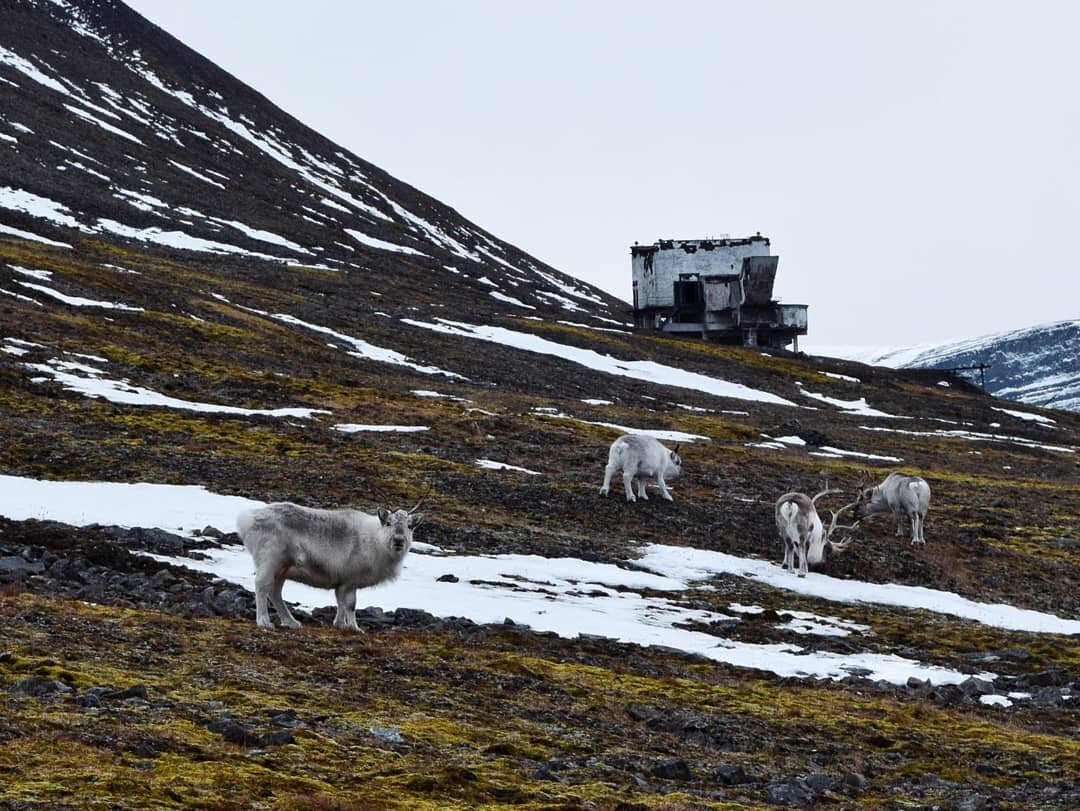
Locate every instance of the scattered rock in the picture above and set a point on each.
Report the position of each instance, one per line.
(389, 735)
(673, 769)
(40, 688)
(793, 792)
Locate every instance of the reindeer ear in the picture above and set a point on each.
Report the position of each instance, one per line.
(384, 516)
(416, 519)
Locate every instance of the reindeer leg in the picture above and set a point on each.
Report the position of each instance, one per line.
(663, 487)
(609, 471)
(263, 585)
(641, 488)
(346, 608)
(628, 482)
(802, 558)
(916, 529)
(789, 554)
(283, 612)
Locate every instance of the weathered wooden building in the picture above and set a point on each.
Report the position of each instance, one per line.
(720, 289)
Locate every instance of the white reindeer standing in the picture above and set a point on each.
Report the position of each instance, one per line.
(640, 458)
(343, 550)
(900, 495)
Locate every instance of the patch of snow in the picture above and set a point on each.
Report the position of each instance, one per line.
(836, 376)
(175, 508)
(372, 242)
(20, 297)
(179, 239)
(701, 565)
(355, 428)
(858, 407)
(81, 113)
(645, 370)
(598, 402)
(656, 433)
(196, 174)
(560, 595)
(428, 393)
(77, 301)
(87, 381)
(973, 436)
(363, 349)
(143, 202)
(83, 168)
(563, 301)
(37, 206)
(262, 236)
(593, 326)
(510, 300)
(791, 440)
(40, 275)
(492, 465)
(1026, 415)
(30, 70)
(834, 452)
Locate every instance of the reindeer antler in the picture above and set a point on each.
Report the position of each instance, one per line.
(840, 546)
(825, 492)
(423, 498)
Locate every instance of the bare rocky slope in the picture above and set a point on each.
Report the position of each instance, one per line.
(180, 261)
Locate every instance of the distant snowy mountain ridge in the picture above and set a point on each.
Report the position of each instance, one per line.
(1038, 365)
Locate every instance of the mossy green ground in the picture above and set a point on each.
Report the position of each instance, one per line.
(483, 713)
(479, 714)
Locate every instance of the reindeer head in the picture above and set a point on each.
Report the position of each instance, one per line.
(674, 462)
(864, 493)
(399, 525)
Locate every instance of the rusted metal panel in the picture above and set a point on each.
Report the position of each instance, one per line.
(793, 316)
(759, 273)
(722, 292)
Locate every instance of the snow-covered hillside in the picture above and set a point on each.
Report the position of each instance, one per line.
(111, 129)
(1039, 365)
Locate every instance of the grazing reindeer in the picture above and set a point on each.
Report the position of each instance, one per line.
(641, 457)
(899, 494)
(343, 550)
(801, 530)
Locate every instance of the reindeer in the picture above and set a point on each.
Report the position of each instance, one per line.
(343, 550)
(802, 532)
(641, 457)
(899, 494)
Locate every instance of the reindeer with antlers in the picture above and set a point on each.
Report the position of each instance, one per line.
(802, 532)
(343, 550)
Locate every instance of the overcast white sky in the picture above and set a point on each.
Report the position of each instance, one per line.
(916, 164)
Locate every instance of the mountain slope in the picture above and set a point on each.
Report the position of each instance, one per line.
(1039, 365)
(112, 128)
(185, 320)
